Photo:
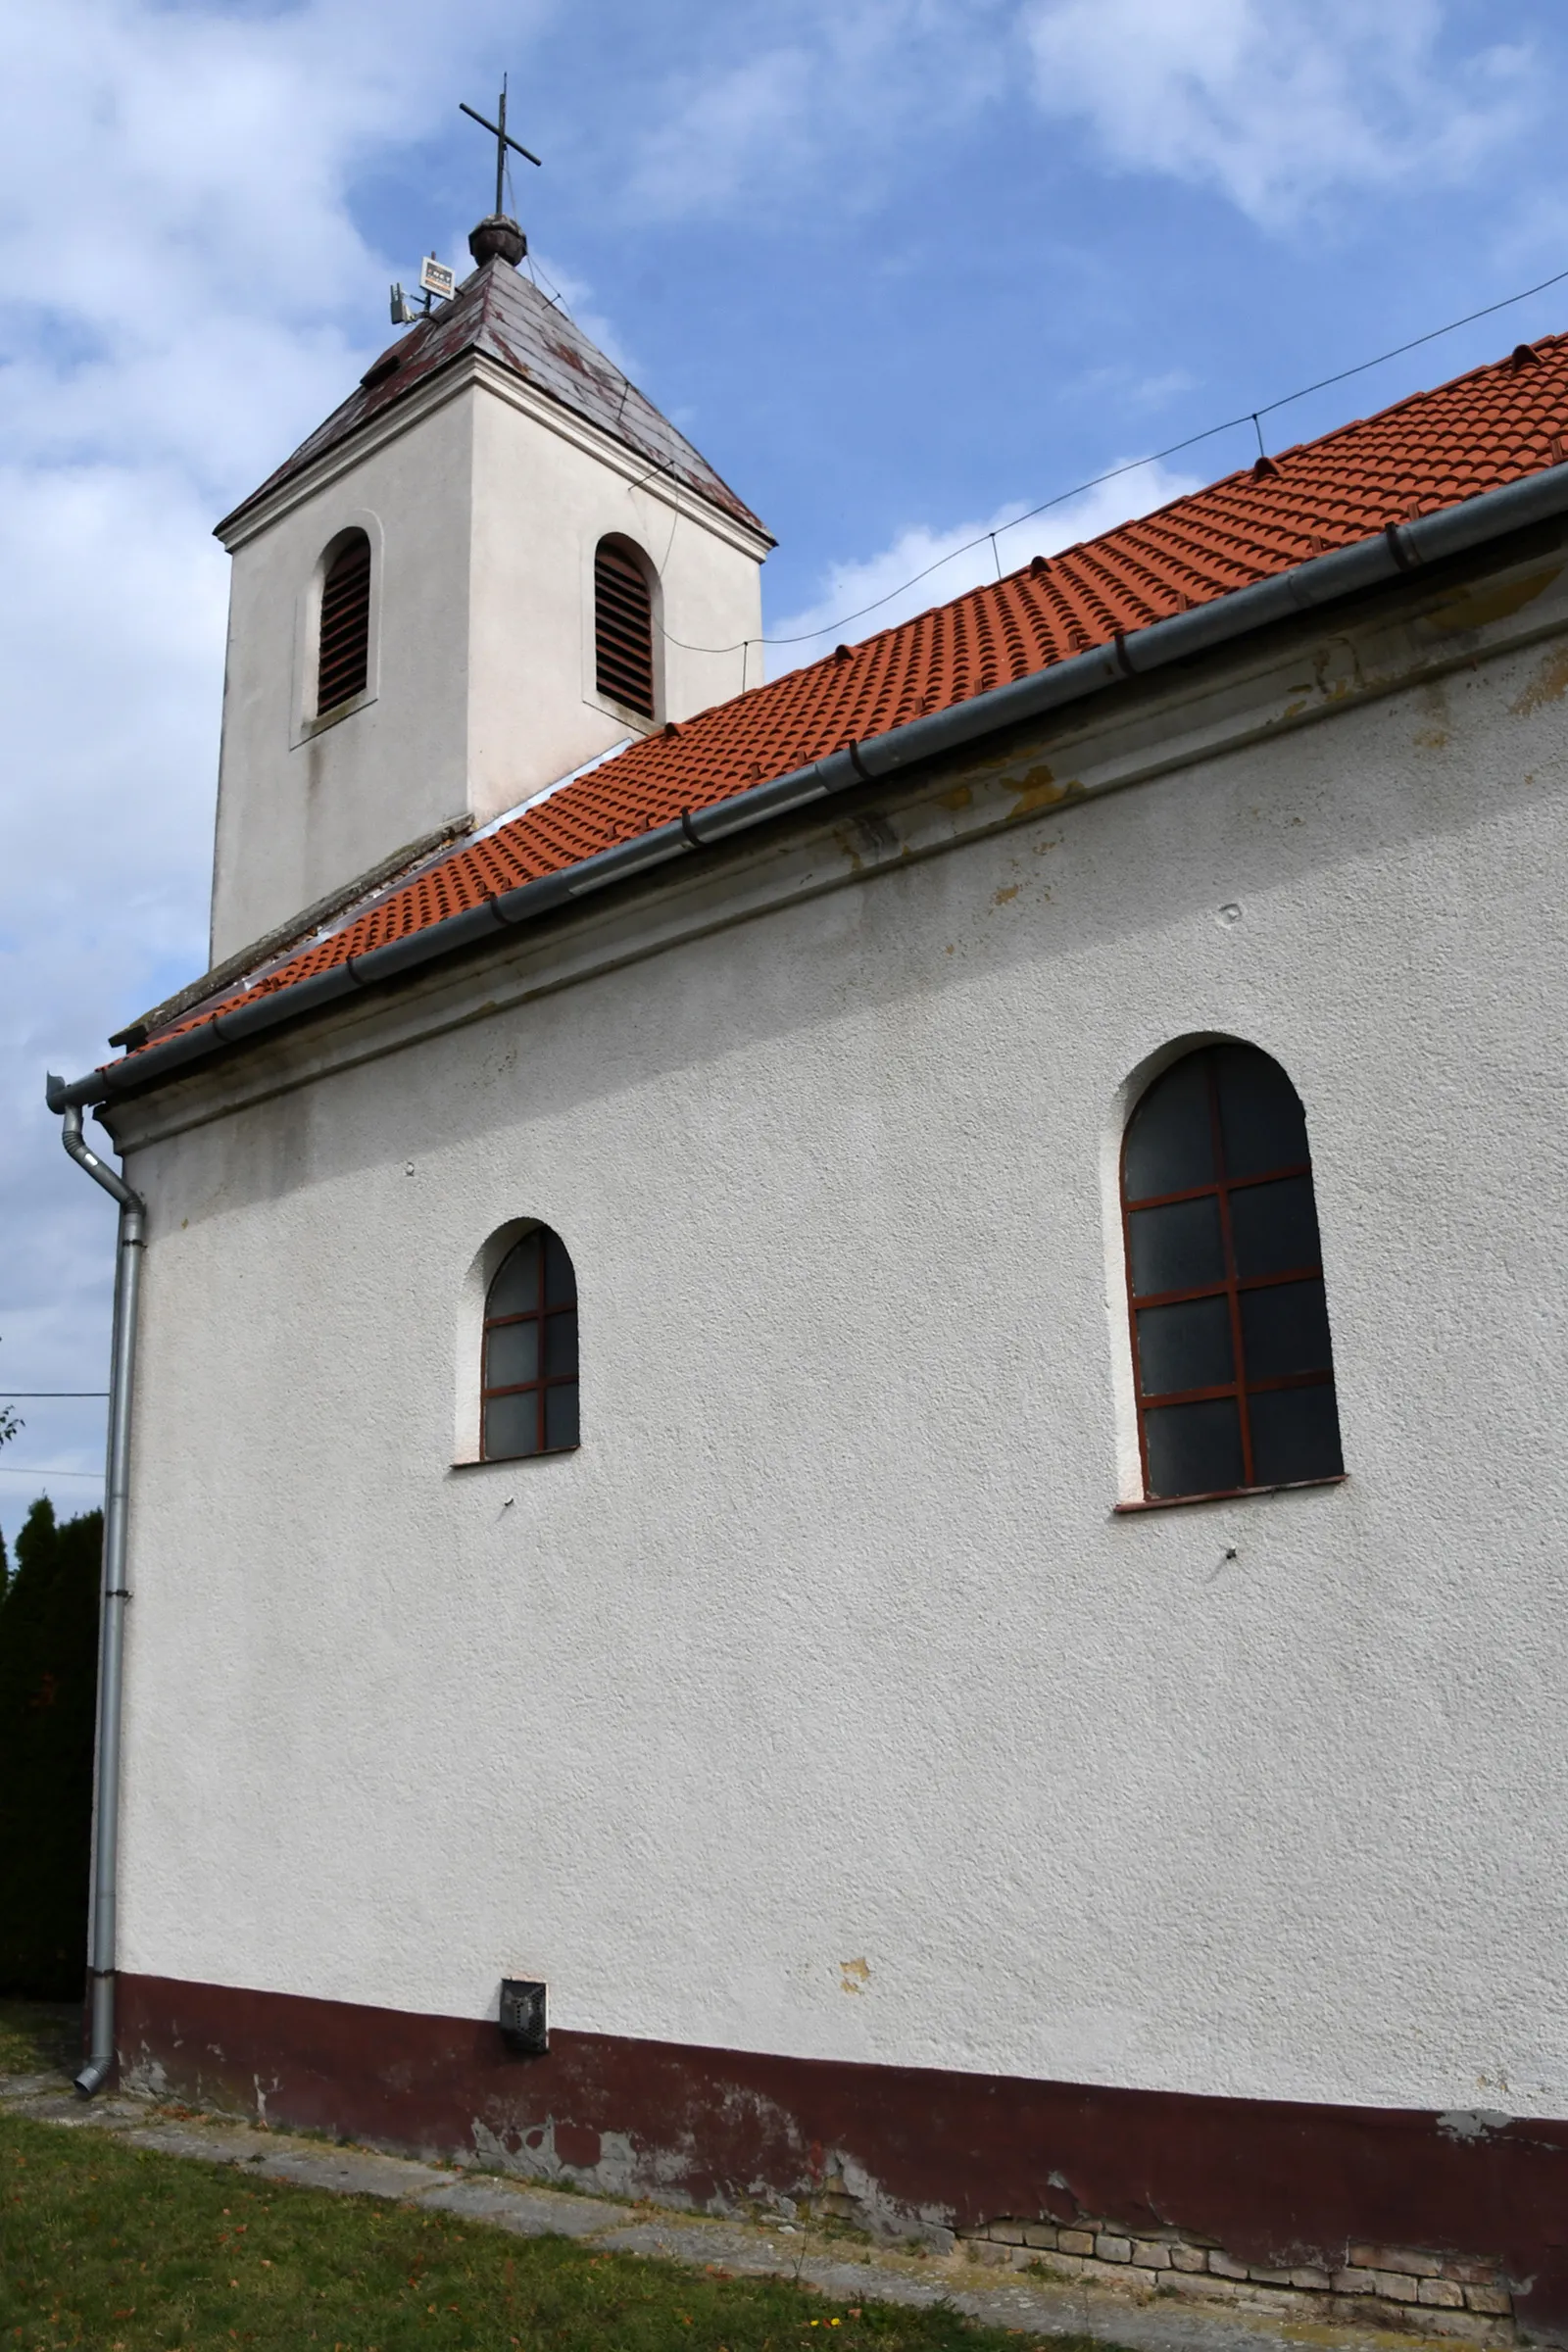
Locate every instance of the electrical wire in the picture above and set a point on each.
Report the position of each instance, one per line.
(47, 1470)
(1114, 473)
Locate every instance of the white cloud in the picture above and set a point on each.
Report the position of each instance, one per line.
(922, 567)
(1276, 102)
(790, 92)
(187, 295)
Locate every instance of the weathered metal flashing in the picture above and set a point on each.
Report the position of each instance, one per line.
(466, 370)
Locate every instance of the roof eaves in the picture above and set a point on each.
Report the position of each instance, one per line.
(1395, 551)
(308, 469)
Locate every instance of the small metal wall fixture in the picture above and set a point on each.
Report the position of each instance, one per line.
(522, 2017)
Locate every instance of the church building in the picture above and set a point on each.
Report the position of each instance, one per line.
(839, 1480)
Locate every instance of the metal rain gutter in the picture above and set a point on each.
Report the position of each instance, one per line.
(101, 1932)
(1396, 551)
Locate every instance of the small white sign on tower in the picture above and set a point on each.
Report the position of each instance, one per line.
(437, 283)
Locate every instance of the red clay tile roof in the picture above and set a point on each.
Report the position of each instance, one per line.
(505, 317)
(1490, 427)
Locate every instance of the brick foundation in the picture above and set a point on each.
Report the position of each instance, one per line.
(1413, 2289)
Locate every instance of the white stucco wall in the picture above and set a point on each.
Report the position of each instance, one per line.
(541, 503)
(827, 1648)
(299, 812)
(484, 504)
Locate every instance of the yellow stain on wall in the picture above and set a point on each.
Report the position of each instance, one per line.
(1548, 685)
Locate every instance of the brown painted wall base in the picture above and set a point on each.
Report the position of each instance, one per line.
(1272, 2183)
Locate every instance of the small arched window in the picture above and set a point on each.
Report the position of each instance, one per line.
(343, 659)
(623, 627)
(1231, 1351)
(528, 1387)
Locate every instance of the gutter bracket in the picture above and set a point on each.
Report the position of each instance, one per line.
(1399, 548)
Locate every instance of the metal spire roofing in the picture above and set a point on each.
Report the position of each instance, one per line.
(505, 317)
(1490, 427)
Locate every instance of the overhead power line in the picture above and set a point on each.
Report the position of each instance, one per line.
(47, 1470)
(1155, 457)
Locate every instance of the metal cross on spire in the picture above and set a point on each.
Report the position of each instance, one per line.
(502, 140)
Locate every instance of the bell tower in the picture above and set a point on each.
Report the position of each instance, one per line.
(493, 563)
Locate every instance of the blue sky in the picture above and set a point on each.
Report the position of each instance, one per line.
(900, 267)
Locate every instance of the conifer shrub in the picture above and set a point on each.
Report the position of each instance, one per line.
(48, 1699)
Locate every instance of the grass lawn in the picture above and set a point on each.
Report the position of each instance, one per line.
(124, 2250)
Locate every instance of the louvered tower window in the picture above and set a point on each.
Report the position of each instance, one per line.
(623, 627)
(343, 664)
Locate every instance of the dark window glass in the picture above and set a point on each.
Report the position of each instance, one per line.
(1236, 1248)
(560, 1283)
(511, 1353)
(1295, 1434)
(1275, 1227)
(1175, 1249)
(561, 1346)
(1170, 1137)
(1285, 1329)
(529, 1382)
(1260, 1114)
(1185, 1346)
(511, 1426)
(1194, 1448)
(343, 657)
(515, 1289)
(623, 627)
(561, 1416)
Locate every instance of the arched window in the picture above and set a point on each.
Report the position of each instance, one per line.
(343, 660)
(529, 1385)
(623, 627)
(1231, 1350)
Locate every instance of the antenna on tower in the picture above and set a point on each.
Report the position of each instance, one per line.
(497, 238)
(437, 283)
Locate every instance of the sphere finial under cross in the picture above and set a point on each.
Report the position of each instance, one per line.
(498, 238)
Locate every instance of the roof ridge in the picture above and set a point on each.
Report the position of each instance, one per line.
(1241, 476)
(1492, 426)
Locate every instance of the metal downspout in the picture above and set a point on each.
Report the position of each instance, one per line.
(101, 1931)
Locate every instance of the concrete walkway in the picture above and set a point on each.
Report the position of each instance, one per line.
(1034, 2305)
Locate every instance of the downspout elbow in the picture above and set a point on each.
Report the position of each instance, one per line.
(82, 1152)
